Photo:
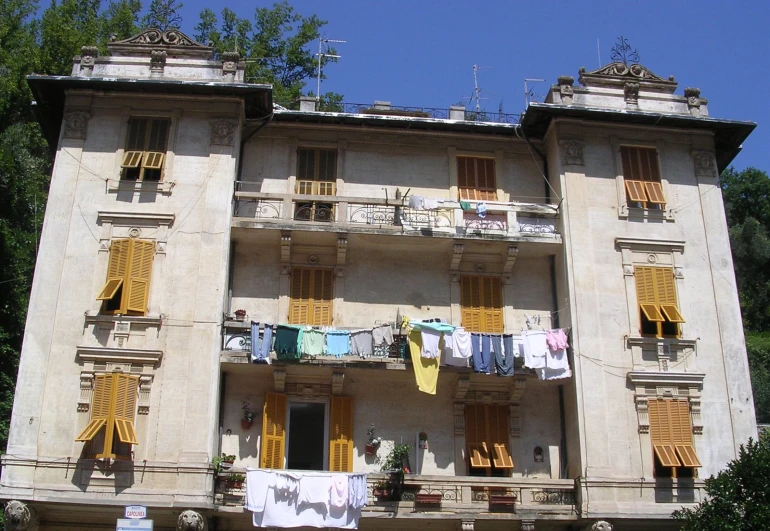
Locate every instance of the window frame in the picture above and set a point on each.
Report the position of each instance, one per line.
(673, 447)
(657, 301)
(484, 447)
(315, 185)
(313, 307)
(643, 186)
(129, 269)
(465, 192)
(488, 322)
(145, 159)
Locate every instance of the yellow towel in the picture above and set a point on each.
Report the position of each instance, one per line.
(425, 369)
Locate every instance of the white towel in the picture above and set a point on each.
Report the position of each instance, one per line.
(258, 482)
(415, 202)
(430, 341)
(535, 348)
(429, 203)
(339, 492)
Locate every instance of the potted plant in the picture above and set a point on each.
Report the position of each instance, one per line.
(374, 442)
(382, 489)
(396, 464)
(240, 315)
(222, 462)
(234, 481)
(248, 415)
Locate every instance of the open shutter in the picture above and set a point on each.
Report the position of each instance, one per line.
(273, 430)
(341, 434)
(116, 269)
(323, 293)
(100, 407)
(681, 436)
(485, 179)
(498, 426)
(299, 306)
(660, 432)
(654, 193)
(465, 178)
(153, 160)
(131, 159)
(470, 302)
(142, 255)
(666, 293)
(125, 407)
(646, 292)
(635, 191)
(492, 300)
(479, 455)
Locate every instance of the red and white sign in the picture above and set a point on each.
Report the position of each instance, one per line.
(136, 511)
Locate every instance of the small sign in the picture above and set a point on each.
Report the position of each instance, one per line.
(134, 525)
(136, 511)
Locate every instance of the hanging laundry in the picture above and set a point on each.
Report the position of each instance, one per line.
(339, 494)
(429, 203)
(553, 374)
(362, 343)
(257, 484)
(481, 209)
(465, 206)
(357, 491)
(415, 202)
(314, 490)
(286, 339)
(337, 343)
(482, 355)
(556, 339)
(457, 347)
(504, 357)
(382, 335)
(425, 369)
(535, 348)
(430, 342)
(312, 342)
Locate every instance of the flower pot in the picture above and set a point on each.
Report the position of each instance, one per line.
(382, 492)
(237, 485)
(371, 448)
(245, 424)
(226, 465)
(240, 315)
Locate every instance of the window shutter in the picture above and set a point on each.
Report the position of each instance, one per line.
(299, 305)
(630, 169)
(142, 254)
(323, 293)
(493, 305)
(158, 136)
(660, 432)
(131, 159)
(467, 190)
(646, 292)
(100, 407)
(109, 289)
(125, 407)
(635, 191)
(341, 434)
(153, 160)
(501, 457)
(479, 455)
(654, 193)
(273, 430)
(137, 130)
(116, 269)
(470, 302)
(486, 179)
(666, 294)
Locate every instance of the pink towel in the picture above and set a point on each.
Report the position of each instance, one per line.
(556, 339)
(339, 497)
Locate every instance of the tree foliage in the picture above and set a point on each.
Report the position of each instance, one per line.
(738, 498)
(163, 15)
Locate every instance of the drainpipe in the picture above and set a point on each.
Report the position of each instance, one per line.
(545, 166)
(555, 324)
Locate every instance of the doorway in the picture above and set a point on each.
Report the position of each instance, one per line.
(307, 436)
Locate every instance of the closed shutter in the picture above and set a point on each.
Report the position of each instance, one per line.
(666, 289)
(470, 302)
(493, 305)
(641, 175)
(341, 434)
(322, 296)
(646, 293)
(660, 433)
(100, 407)
(116, 269)
(125, 407)
(299, 306)
(273, 430)
(498, 431)
(476, 178)
(142, 254)
(481, 301)
(679, 414)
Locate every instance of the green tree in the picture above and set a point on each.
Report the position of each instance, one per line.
(120, 19)
(738, 498)
(163, 15)
(66, 27)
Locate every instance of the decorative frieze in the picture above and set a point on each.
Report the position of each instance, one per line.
(704, 163)
(75, 125)
(571, 152)
(222, 132)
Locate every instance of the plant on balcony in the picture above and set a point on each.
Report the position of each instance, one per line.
(248, 415)
(395, 464)
(234, 481)
(382, 489)
(374, 442)
(223, 462)
(240, 315)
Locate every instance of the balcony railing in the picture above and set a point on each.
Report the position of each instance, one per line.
(526, 220)
(453, 493)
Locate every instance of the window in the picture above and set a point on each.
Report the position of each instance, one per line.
(145, 149)
(658, 310)
(671, 435)
(481, 300)
(486, 435)
(311, 295)
(128, 277)
(476, 178)
(316, 175)
(642, 177)
(299, 443)
(110, 432)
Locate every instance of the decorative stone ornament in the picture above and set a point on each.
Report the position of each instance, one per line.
(631, 93)
(171, 40)
(20, 517)
(88, 56)
(230, 64)
(222, 132)
(75, 125)
(704, 163)
(693, 100)
(571, 152)
(600, 525)
(565, 89)
(157, 61)
(191, 521)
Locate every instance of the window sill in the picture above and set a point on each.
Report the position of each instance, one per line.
(644, 341)
(645, 214)
(161, 187)
(149, 320)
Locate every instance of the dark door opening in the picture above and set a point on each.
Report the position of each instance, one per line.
(307, 440)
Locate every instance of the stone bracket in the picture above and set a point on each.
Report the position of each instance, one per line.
(338, 378)
(279, 377)
(461, 388)
(457, 256)
(512, 254)
(342, 251)
(285, 253)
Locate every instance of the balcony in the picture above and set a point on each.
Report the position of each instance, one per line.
(503, 221)
(448, 494)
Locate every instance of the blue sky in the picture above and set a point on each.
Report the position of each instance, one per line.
(422, 52)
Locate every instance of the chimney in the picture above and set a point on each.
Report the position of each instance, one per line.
(382, 105)
(457, 112)
(307, 104)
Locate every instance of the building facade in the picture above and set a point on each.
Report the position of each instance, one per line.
(189, 219)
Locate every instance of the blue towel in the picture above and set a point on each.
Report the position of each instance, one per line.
(337, 343)
(504, 364)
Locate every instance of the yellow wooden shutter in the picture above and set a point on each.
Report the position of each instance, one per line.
(660, 432)
(646, 293)
(125, 407)
(485, 179)
(138, 281)
(470, 302)
(654, 193)
(666, 294)
(131, 159)
(681, 433)
(476, 435)
(300, 294)
(153, 160)
(116, 269)
(100, 407)
(479, 455)
(635, 191)
(341, 434)
(323, 293)
(466, 188)
(273, 430)
(492, 295)
(498, 433)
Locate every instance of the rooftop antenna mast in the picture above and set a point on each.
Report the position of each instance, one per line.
(527, 92)
(476, 90)
(323, 48)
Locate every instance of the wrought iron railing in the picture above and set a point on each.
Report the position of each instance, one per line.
(428, 112)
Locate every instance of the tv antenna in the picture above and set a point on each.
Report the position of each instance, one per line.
(476, 89)
(323, 49)
(527, 92)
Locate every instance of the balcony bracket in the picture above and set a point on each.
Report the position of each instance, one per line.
(510, 260)
(279, 375)
(338, 378)
(342, 251)
(285, 253)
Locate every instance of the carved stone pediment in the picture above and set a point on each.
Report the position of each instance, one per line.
(172, 41)
(618, 74)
